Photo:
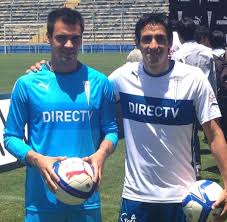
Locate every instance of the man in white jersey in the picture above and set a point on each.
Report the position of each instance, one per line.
(69, 110)
(160, 100)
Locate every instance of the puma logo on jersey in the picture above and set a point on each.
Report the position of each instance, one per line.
(41, 84)
(135, 74)
(214, 104)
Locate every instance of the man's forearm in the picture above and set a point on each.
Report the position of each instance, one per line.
(218, 148)
(219, 152)
(106, 148)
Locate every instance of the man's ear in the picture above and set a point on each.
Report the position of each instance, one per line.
(48, 38)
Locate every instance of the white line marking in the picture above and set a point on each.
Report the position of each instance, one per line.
(11, 198)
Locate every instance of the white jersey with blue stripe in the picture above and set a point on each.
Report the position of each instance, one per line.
(67, 115)
(158, 115)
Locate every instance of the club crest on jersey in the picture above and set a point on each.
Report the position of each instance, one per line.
(125, 218)
(87, 90)
(212, 97)
(212, 100)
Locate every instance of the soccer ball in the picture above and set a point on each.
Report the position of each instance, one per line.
(76, 184)
(199, 199)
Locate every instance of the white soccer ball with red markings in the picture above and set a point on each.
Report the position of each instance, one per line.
(197, 203)
(76, 184)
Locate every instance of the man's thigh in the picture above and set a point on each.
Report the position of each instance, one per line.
(150, 212)
(93, 215)
(45, 217)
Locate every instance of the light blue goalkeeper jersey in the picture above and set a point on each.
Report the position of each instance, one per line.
(66, 115)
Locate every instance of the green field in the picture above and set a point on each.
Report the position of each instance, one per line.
(11, 183)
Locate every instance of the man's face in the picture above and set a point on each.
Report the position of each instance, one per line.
(65, 42)
(154, 46)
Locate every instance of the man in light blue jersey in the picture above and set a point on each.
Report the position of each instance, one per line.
(69, 110)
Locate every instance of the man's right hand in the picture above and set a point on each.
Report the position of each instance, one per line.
(45, 165)
(36, 67)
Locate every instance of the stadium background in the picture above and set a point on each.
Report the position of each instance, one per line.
(109, 25)
(109, 28)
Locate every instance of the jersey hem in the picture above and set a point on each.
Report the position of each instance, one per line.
(151, 200)
(64, 209)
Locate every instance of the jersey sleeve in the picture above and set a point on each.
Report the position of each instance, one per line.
(206, 104)
(108, 119)
(177, 57)
(113, 78)
(16, 121)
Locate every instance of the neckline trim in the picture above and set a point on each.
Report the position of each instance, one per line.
(171, 65)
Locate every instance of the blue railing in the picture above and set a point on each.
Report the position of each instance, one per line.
(93, 48)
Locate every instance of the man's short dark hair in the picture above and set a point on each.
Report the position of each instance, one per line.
(173, 23)
(201, 32)
(217, 39)
(186, 28)
(154, 19)
(67, 16)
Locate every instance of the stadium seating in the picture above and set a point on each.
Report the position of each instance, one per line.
(114, 21)
(105, 20)
(18, 17)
